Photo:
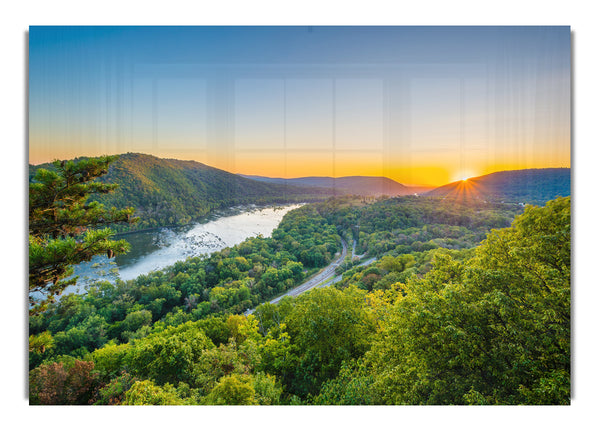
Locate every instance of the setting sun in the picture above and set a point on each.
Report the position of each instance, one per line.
(463, 175)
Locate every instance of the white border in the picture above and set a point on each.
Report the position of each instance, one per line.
(16, 18)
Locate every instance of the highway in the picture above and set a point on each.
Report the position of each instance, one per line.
(315, 280)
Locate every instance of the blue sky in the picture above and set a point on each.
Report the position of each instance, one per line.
(422, 105)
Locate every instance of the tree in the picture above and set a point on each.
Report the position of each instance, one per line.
(492, 330)
(327, 327)
(41, 346)
(41, 342)
(65, 229)
(114, 392)
(232, 390)
(60, 383)
(148, 393)
(168, 356)
(352, 386)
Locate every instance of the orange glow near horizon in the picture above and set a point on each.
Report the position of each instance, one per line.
(424, 166)
(418, 106)
(304, 164)
(463, 175)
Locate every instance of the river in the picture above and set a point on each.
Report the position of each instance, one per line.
(158, 248)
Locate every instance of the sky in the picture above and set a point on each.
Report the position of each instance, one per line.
(420, 105)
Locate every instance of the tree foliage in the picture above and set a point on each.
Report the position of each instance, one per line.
(66, 229)
(149, 394)
(327, 327)
(493, 330)
(60, 383)
(482, 325)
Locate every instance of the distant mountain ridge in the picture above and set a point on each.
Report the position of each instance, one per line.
(358, 185)
(169, 191)
(534, 186)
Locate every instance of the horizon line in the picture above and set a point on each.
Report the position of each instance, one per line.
(299, 177)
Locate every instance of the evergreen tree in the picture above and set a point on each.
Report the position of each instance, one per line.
(66, 229)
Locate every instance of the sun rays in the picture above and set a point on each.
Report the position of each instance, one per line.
(465, 189)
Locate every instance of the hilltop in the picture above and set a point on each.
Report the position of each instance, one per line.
(358, 185)
(169, 192)
(534, 186)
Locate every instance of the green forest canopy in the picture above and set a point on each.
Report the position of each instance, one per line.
(437, 319)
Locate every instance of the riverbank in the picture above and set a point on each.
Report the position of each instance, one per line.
(159, 248)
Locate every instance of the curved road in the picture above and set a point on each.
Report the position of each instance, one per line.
(315, 280)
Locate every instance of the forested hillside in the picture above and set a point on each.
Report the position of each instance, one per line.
(532, 186)
(435, 320)
(172, 192)
(353, 185)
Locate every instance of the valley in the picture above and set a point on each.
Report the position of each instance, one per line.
(278, 290)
